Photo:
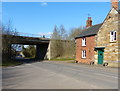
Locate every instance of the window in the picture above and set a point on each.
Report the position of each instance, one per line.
(83, 41)
(113, 36)
(84, 54)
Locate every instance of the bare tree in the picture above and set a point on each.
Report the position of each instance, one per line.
(56, 43)
(60, 43)
(63, 43)
(75, 32)
(7, 31)
(63, 32)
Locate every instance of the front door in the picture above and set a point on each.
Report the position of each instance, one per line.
(100, 56)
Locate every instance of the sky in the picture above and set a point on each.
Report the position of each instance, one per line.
(41, 17)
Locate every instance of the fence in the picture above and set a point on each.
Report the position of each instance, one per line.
(30, 35)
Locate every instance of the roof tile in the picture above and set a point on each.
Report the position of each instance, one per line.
(90, 31)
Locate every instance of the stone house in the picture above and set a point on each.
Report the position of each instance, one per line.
(99, 43)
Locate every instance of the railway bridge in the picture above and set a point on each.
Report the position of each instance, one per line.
(41, 44)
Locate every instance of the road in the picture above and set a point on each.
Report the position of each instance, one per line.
(59, 75)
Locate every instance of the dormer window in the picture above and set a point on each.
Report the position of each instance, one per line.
(113, 36)
(83, 41)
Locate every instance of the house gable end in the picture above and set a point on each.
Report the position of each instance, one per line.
(112, 11)
(108, 36)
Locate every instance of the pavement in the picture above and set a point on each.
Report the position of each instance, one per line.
(59, 75)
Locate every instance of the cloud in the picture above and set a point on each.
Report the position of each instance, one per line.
(44, 4)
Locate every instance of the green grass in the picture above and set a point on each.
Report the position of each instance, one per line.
(10, 63)
(62, 59)
(29, 57)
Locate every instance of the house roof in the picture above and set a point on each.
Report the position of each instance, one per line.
(90, 31)
(118, 11)
(94, 29)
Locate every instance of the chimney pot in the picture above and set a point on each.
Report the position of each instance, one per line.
(89, 22)
(115, 3)
(89, 18)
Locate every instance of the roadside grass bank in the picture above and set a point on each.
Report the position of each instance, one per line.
(10, 63)
(29, 57)
(62, 59)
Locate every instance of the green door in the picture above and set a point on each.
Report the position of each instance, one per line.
(100, 57)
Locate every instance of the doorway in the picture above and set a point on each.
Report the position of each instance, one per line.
(100, 56)
(100, 51)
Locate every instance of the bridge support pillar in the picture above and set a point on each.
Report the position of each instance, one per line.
(41, 51)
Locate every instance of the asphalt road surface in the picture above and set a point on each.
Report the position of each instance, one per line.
(59, 75)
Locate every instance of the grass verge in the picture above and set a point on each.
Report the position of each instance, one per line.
(10, 63)
(61, 59)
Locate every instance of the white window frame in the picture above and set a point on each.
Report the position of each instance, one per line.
(84, 41)
(113, 36)
(83, 53)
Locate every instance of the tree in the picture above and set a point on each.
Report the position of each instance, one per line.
(58, 43)
(71, 45)
(63, 44)
(7, 31)
(55, 34)
(75, 32)
(30, 51)
(55, 42)
(63, 33)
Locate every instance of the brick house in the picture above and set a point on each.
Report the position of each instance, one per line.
(99, 43)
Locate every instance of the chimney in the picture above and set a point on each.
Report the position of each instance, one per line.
(89, 22)
(114, 4)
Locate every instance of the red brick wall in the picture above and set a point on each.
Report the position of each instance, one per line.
(90, 44)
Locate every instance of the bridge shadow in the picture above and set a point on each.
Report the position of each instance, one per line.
(28, 60)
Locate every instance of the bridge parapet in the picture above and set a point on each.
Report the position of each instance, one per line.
(35, 35)
(26, 40)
